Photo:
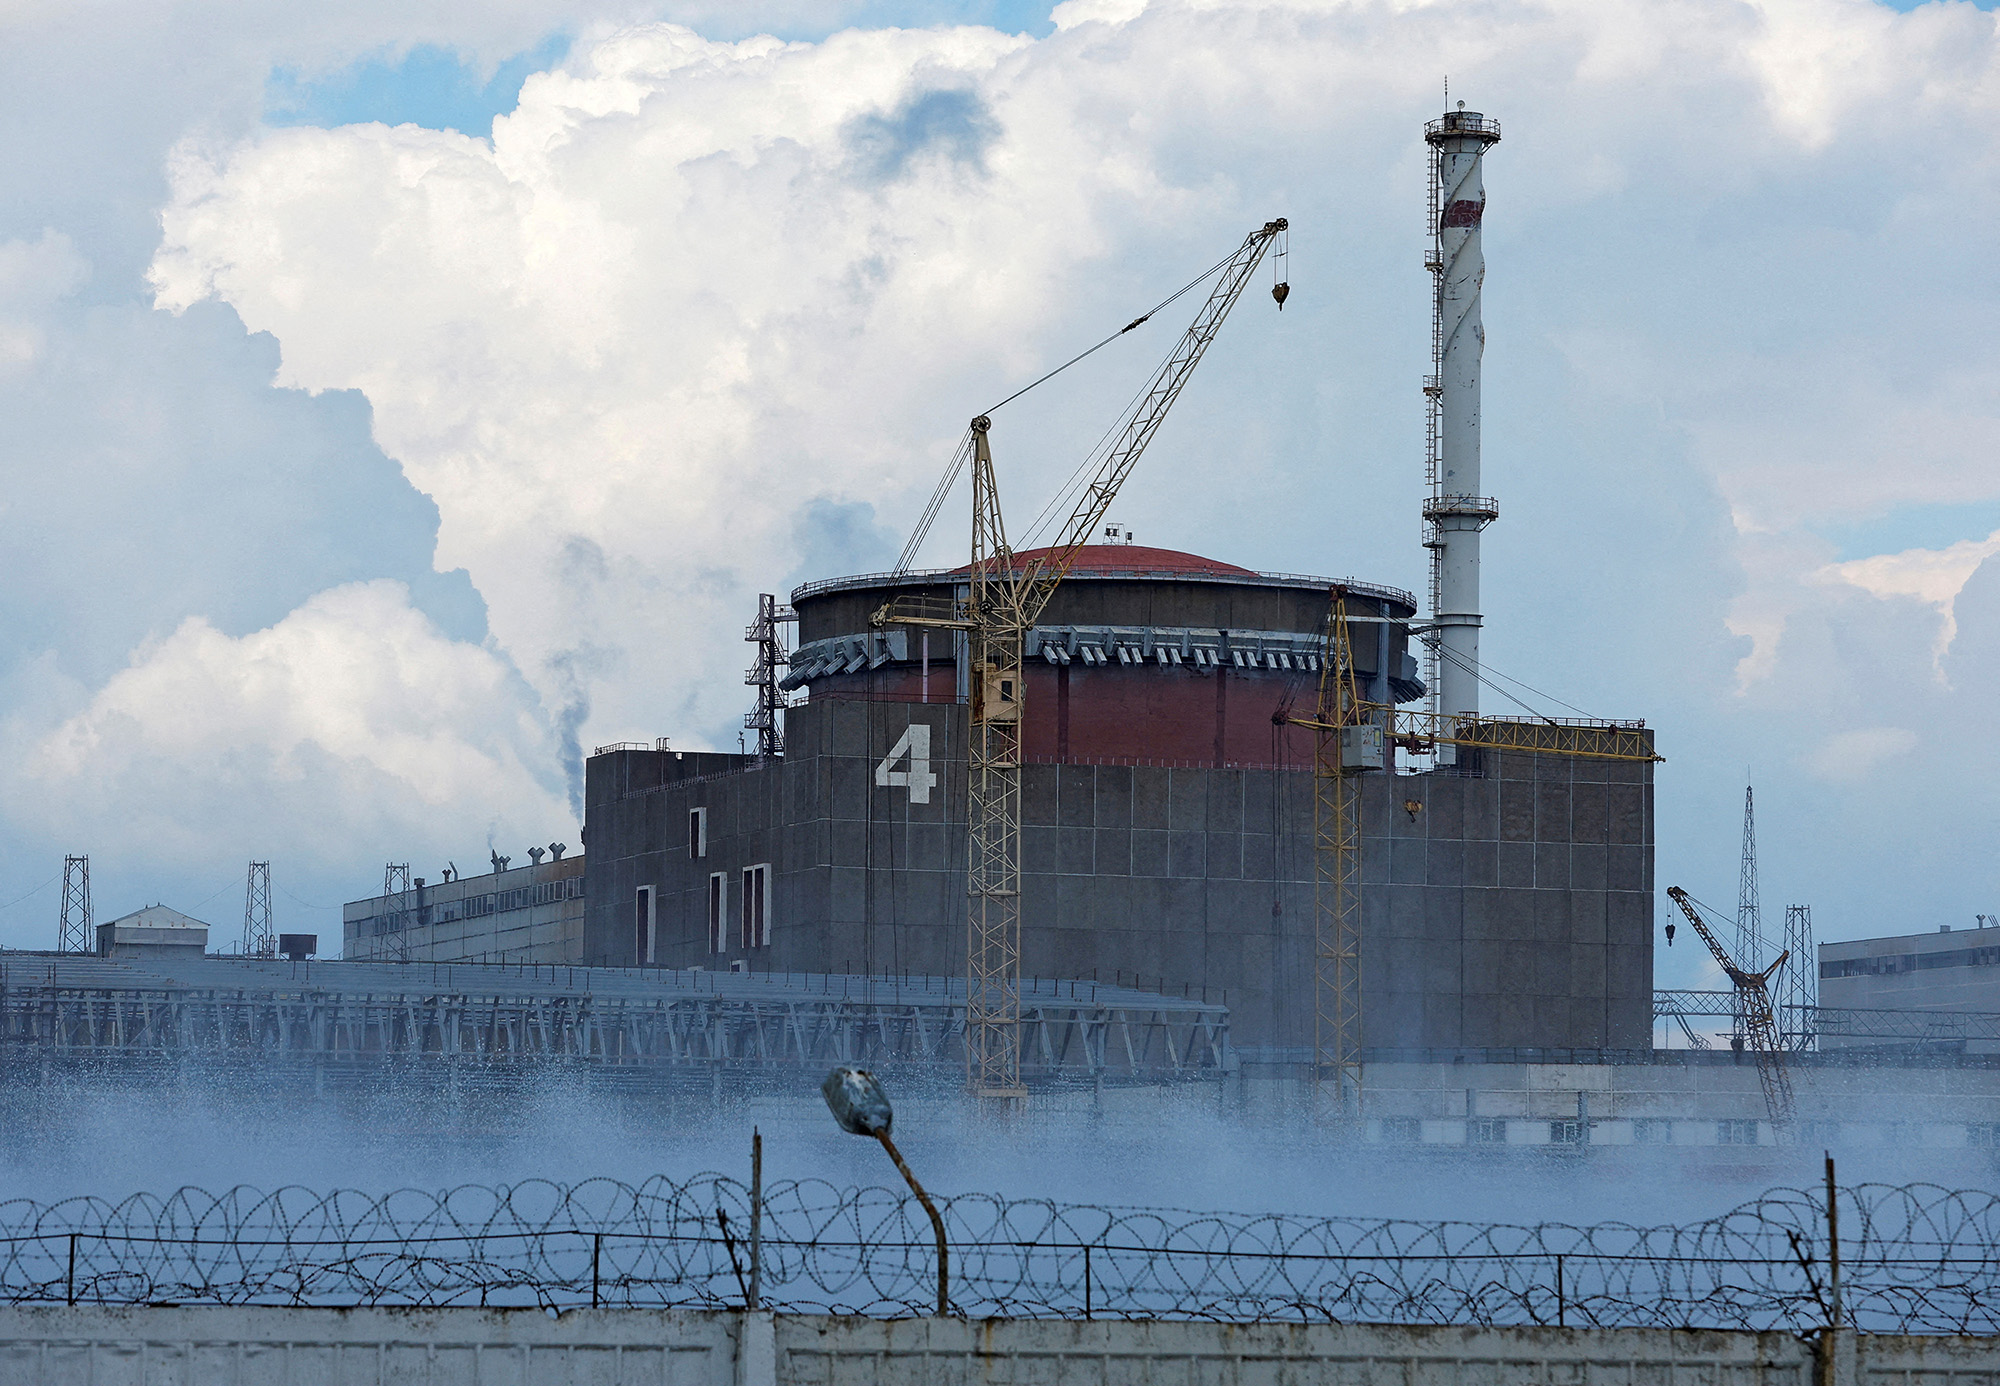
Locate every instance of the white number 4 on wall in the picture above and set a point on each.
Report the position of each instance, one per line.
(918, 779)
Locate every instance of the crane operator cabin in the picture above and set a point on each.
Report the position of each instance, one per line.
(1165, 819)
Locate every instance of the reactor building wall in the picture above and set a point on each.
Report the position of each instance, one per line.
(1167, 823)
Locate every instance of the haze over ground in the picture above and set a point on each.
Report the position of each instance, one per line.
(1158, 1148)
(401, 398)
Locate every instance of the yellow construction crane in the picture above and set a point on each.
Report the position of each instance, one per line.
(1754, 1001)
(1344, 745)
(1006, 594)
(1350, 737)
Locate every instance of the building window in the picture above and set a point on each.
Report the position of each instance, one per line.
(718, 911)
(1402, 1130)
(643, 922)
(1736, 1133)
(1652, 1131)
(697, 832)
(1985, 1134)
(756, 906)
(1486, 1131)
(1568, 1132)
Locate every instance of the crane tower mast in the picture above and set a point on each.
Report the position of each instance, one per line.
(1753, 1001)
(1006, 595)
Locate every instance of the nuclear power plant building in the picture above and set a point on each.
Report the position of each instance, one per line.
(1167, 822)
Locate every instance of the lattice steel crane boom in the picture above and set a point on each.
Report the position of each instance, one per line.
(1006, 595)
(1759, 1024)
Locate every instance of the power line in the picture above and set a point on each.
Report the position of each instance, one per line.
(31, 894)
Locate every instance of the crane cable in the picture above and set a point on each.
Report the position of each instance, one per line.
(935, 503)
(963, 453)
(1139, 321)
(1486, 674)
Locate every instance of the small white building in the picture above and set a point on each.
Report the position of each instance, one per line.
(152, 932)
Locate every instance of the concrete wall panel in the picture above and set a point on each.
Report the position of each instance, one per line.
(1483, 879)
(475, 1347)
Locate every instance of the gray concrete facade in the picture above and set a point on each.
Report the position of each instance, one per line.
(54, 1345)
(526, 914)
(1506, 904)
(1950, 970)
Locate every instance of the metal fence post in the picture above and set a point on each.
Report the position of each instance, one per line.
(596, 1254)
(756, 1219)
(70, 1282)
(1833, 1238)
(1086, 1280)
(1560, 1314)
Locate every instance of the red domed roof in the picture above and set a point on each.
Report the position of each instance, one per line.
(1137, 558)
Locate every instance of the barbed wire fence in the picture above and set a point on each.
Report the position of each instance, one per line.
(1916, 1258)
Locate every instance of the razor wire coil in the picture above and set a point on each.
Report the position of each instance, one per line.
(1915, 1259)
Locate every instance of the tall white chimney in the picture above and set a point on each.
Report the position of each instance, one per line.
(1457, 509)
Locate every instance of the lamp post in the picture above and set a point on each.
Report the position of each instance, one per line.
(856, 1099)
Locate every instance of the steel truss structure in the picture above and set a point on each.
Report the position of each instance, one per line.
(75, 931)
(1584, 738)
(1337, 867)
(400, 912)
(1004, 597)
(1067, 1033)
(765, 675)
(1845, 1025)
(258, 940)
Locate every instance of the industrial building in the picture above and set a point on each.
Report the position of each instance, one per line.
(1167, 825)
(1166, 813)
(517, 914)
(1952, 970)
(152, 929)
(1237, 810)
(1161, 819)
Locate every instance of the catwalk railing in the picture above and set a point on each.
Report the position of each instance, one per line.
(1913, 1259)
(1073, 1035)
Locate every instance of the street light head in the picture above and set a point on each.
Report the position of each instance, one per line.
(857, 1102)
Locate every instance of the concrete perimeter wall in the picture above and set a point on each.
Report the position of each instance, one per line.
(146, 1346)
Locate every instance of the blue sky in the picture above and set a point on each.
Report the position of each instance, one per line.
(427, 85)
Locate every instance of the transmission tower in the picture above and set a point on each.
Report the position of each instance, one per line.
(257, 939)
(1749, 914)
(399, 905)
(1749, 923)
(75, 934)
(767, 720)
(1798, 989)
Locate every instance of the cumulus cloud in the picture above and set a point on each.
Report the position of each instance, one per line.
(690, 288)
(352, 720)
(666, 310)
(701, 318)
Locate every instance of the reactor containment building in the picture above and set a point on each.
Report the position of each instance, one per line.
(1167, 824)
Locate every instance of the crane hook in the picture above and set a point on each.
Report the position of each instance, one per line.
(1670, 933)
(1281, 292)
